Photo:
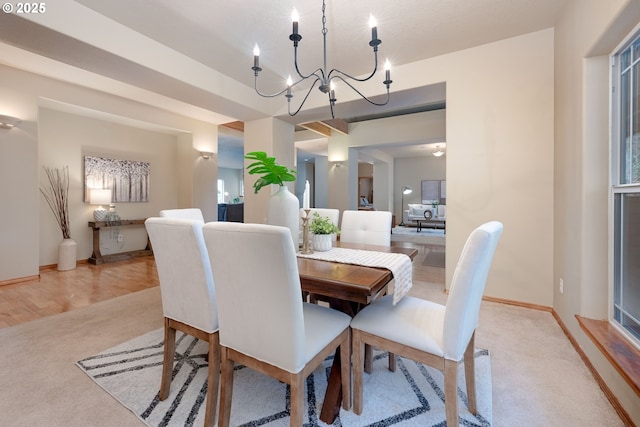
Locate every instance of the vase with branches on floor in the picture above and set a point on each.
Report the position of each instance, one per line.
(56, 193)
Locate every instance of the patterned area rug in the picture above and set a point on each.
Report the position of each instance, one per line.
(412, 396)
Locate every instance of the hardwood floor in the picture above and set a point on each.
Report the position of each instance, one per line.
(58, 292)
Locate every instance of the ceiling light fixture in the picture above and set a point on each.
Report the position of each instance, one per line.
(438, 152)
(326, 79)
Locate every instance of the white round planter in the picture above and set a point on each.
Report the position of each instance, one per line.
(322, 242)
(67, 250)
(284, 210)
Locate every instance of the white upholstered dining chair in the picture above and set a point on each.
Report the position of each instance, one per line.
(264, 325)
(432, 334)
(366, 227)
(188, 297)
(187, 213)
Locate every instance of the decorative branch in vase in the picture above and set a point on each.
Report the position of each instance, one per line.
(57, 196)
(283, 208)
(272, 173)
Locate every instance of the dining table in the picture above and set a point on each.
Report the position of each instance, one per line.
(348, 288)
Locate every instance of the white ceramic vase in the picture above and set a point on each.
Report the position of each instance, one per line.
(67, 250)
(322, 242)
(284, 210)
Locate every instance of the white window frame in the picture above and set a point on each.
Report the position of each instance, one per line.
(615, 180)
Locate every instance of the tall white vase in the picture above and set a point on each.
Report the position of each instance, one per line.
(67, 250)
(284, 210)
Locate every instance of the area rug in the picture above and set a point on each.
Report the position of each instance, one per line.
(411, 396)
(427, 236)
(434, 259)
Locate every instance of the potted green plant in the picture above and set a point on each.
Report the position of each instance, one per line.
(434, 205)
(322, 229)
(283, 208)
(270, 171)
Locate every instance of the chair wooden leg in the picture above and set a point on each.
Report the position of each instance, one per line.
(368, 358)
(451, 392)
(392, 362)
(297, 400)
(226, 388)
(167, 362)
(358, 370)
(470, 375)
(345, 365)
(213, 379)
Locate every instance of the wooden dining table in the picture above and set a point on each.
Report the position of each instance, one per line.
(348, 288)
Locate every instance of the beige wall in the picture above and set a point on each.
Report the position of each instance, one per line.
(23, 214)
(499, 162)
(64, 140)
(586, 35)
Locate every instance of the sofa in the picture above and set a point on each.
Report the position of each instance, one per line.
(425, 215)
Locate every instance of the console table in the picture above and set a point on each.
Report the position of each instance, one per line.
(97, 258)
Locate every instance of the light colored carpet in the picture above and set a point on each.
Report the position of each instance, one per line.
(412, 396)
(537, 377)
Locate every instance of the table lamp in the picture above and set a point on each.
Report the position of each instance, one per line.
(405, 190)
(99, 196)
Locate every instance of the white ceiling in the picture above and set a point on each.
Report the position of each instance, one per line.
(184, 55)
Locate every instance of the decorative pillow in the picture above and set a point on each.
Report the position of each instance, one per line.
(416, 209)
(442, 211)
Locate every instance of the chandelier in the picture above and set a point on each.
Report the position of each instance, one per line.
(320, 75)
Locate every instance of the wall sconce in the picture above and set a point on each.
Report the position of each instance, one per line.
(8, 122)
(206, 155)
(99, 196)
(438, 152)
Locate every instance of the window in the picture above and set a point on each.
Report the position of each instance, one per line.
(626, 187)
(434, 190)
(220, 191)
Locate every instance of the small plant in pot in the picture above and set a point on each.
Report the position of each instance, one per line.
(322, 229)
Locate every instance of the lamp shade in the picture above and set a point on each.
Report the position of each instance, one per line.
(98, 196)
(406, 190)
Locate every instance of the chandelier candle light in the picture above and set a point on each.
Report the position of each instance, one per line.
(306, 249)
(320, 75)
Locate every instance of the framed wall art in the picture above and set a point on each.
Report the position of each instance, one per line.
(128, 180)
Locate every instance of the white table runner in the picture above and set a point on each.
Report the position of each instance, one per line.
(399, 265)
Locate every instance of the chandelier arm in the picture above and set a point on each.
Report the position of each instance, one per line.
(305, 97)
(266, 95)
(302, 76)
(364, 97)
(375, 68)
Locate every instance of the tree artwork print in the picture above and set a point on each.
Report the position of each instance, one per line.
(128, 180)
